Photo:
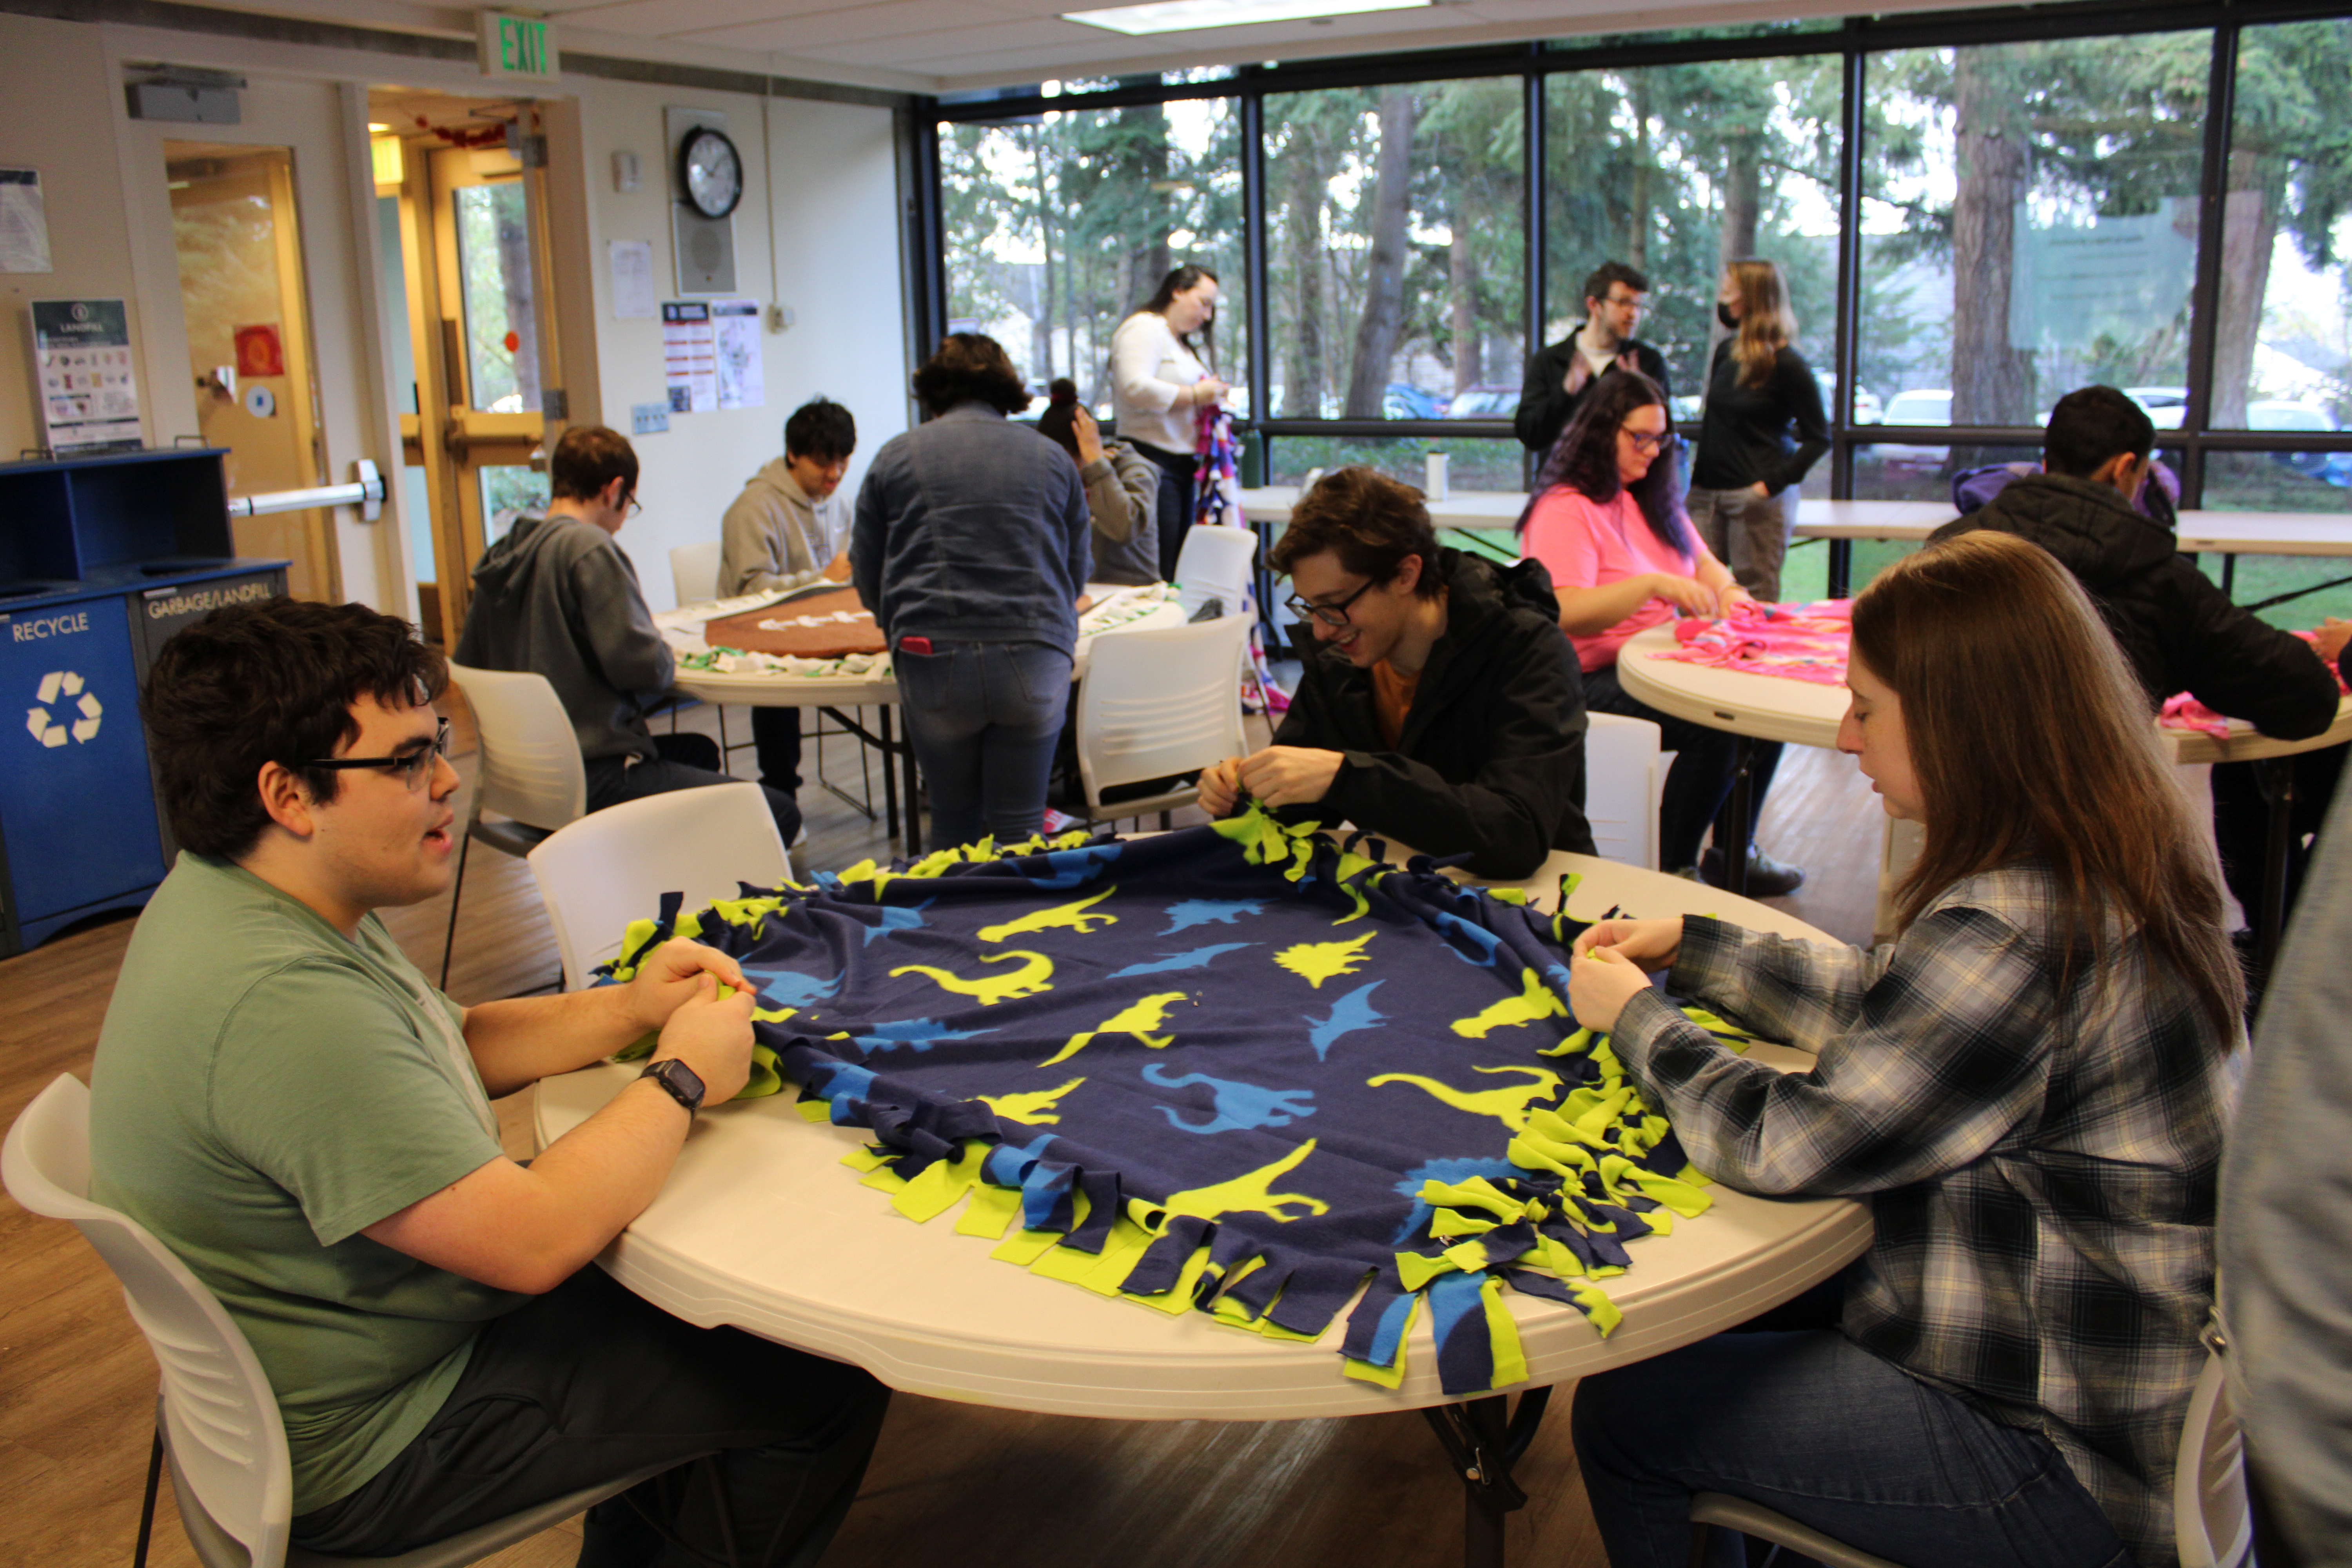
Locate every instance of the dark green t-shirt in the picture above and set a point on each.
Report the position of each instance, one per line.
(265, 1089)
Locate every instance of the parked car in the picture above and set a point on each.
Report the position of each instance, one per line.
(1488, 400)
(2166, 406)
(1921, 405)
(2282, 414)
(1866, 410)
(1401, 401)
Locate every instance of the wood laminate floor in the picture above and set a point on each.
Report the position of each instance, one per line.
(988, 1488)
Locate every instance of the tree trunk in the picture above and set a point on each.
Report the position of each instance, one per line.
(1303, 356)
(1637, 220)
(2248, 233)
(1382, 322)
(1992, 382)
(1742, 194)
(1461, 280)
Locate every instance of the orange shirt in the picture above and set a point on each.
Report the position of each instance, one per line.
(1393, 693)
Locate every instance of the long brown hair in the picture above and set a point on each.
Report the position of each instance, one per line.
(1179, 279)
(1766, 325)
(2030, 739)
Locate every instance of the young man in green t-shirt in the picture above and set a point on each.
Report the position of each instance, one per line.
(282, 1097)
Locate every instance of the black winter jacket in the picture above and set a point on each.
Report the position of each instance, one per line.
(2180, 632)
(1491, 758)
(1545, 406)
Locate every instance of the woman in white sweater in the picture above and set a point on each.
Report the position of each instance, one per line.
(1159, 381)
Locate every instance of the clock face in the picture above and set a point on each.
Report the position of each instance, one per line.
(711, 173)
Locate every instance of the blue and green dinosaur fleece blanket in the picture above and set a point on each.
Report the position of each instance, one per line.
(1242, 1068)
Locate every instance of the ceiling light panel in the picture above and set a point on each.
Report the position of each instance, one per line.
(1192, 15)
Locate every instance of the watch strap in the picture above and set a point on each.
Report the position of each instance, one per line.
(681, 1082)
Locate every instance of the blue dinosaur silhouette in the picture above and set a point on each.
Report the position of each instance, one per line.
(1240, 1107)
(896, 918)
(1073, 866)
(789, 987)
(1189, 912)
(1457, 930)
(1348, 1014)
(1198, 958)
(1450, 1172)
(919, 1033)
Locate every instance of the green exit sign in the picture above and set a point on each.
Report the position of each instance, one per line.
(516, 46)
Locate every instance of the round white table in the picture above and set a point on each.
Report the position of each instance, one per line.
(834, 694)
(761, 1226)
(1774, 707)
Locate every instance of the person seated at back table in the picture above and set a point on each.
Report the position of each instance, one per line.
(306, 1122)
(2029, 1086)
(1607, 522)
(2176, 629)
(790, 529)
(556, 596)
(1122, 491)
(1439, 703)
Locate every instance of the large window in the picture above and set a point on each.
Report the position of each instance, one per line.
(1676, 171)
(1057, 226)
(1397, 251)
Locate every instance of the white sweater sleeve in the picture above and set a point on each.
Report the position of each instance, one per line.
(1137, 349)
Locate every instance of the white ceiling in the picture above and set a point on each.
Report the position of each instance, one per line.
(949, 46)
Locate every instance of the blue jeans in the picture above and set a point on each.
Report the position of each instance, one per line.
(1813, 1426)
(982, 718)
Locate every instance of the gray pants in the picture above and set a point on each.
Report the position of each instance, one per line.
(1748, 533)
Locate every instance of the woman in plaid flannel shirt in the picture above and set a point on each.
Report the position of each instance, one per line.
(2030, 1085)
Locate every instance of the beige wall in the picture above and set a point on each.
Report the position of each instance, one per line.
(835, 251)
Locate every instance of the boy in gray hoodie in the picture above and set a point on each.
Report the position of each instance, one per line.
(556, 596)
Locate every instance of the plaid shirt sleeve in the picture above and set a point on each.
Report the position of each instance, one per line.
(1931, 1052)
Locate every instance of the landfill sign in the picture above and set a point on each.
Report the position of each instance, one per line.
(43, 720)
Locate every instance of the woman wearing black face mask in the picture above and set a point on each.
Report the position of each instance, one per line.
(1762, 430)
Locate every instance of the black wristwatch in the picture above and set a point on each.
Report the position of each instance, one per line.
(679, 1080)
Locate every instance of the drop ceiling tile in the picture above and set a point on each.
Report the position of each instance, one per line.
(887, 20)
(662, 18)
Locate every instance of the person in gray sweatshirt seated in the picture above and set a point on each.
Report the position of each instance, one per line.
(1122, 489)
(971, 547)
(557, 597)
(790, 529)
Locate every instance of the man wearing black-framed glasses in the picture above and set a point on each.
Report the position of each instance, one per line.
(558, 597)
(1561, 375)
(1440, 704)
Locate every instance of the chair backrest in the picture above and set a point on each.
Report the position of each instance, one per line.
(1160, 702)
(694, 570)
(1620, 794)
(2213, 1526)
(1214, 564)
(613, 866)
(531, 767)
(220, 1416)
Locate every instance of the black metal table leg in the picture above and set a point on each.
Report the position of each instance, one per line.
(889, 774)
(912, 789)
(1840, 568)
(2274, 777)
(1735, 824)
(1483, 1444)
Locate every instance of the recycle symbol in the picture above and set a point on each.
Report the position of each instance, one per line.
(50, 731)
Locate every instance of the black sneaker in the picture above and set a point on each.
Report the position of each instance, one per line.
(1767, 877)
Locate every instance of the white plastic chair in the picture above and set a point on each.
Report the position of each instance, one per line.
(2212, 1524)
(529, 773)
(1214, 564)
(613, 866)
(694, 572)
(1620, 788)
(1159, 703)
(217, 1421)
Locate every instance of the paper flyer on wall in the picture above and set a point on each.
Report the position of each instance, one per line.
(742, 381)
(633, 279)
(689, 356)
(89, 387)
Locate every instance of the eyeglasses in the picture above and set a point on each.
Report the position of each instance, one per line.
(1664, 441)
(631, 508)
(412, 765)
(1329, 615)
(1625, 301)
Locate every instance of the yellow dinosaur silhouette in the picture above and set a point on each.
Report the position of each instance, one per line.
(1029, 980)
(1535, 1001)
(1511, 1104)
(1316, 962)
(1251, 1192)
(1136, 1018)
(1033, 1107)
(1072, 916)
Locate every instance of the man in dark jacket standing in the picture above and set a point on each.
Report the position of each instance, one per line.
(1561, 375)
(2180, 631)
(1440, 703)
(557, 597)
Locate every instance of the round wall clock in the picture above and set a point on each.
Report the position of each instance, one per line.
(710, 172)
